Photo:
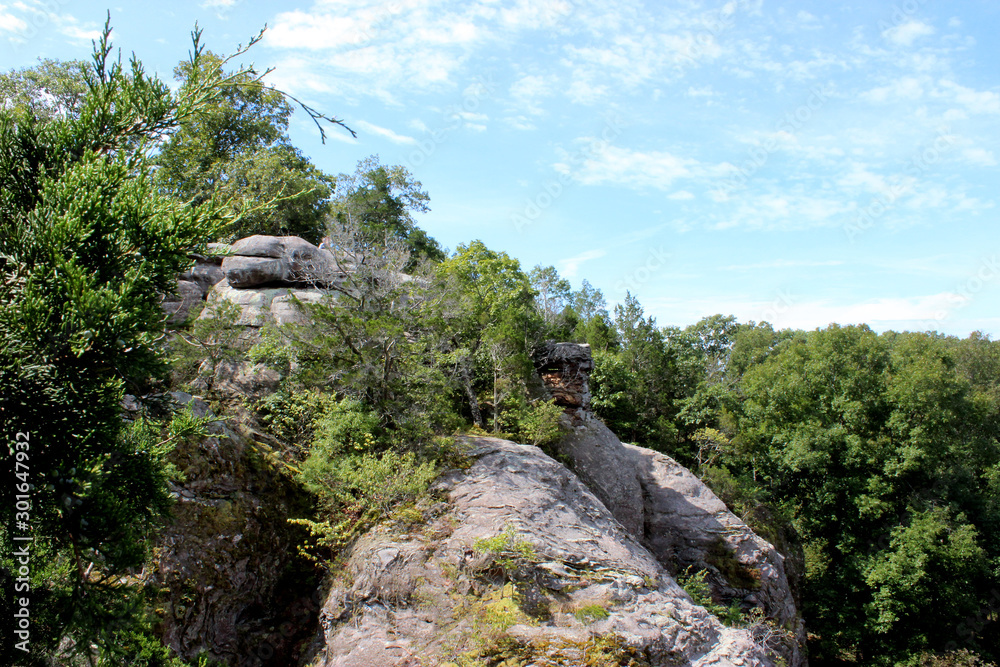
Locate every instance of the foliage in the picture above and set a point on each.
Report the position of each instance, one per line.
(553, 292)
(236, 149)
(960, 658)
(213, 338)
(507, 550)
(87, 246)
(483, 304)
(292, 417)
(378, 202)
(357, 491)
(50, 90)
(88, 243)
(881, 451)
(538, 423)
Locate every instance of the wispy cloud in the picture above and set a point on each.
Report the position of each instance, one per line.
(906, 33)
(385, 133)
(10, 23)
(570, 266)
(614, 165)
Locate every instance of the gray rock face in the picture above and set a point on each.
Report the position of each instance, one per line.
(686, 524)
(279, 260)
(664, 506)
(206, 272)
(178, 306)
(682, 523)
(608, 469)
(251, 271)
(193, 286)
(258, 306)
(229, 580)
(236, 378)
(581, 586)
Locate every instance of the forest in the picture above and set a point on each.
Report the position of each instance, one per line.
(870, 460)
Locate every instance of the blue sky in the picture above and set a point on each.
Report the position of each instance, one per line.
(796, 162)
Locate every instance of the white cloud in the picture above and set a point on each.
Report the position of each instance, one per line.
(586, 92)
(75, 32)
(974, 101)
(907, 88)
(886, 313)
(386, 133)
(569, 267)
(529, 91)
(520, 122)
(904, 34)
(534, 14)
(703, 91)
(680, 195)
(601, 164)
(786, 308)
(418, 125)
(782, 264)
(10, 23)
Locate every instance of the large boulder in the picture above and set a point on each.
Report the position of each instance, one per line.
(279, 260)
(518, 562)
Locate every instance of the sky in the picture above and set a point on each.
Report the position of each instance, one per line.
(800, 163)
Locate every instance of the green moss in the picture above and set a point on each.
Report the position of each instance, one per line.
(737, 575)
(591, 613)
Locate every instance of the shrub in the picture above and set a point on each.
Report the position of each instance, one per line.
(538, 423)
(292, 417)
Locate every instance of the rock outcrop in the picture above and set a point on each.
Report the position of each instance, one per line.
(671, 512)
(517, 561)
(194, 284)
(517, 558)
(565, 369)
(280, 260)
(265, 277)
(231, 586)
(257, 306)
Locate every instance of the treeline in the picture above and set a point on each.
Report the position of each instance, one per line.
(872, 459)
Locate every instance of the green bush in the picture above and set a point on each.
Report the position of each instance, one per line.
(538, 423)
(292, 417)
(357, 491)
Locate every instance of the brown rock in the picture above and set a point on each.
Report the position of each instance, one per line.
(565, 370)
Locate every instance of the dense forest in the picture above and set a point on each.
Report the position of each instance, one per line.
(871, 460)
